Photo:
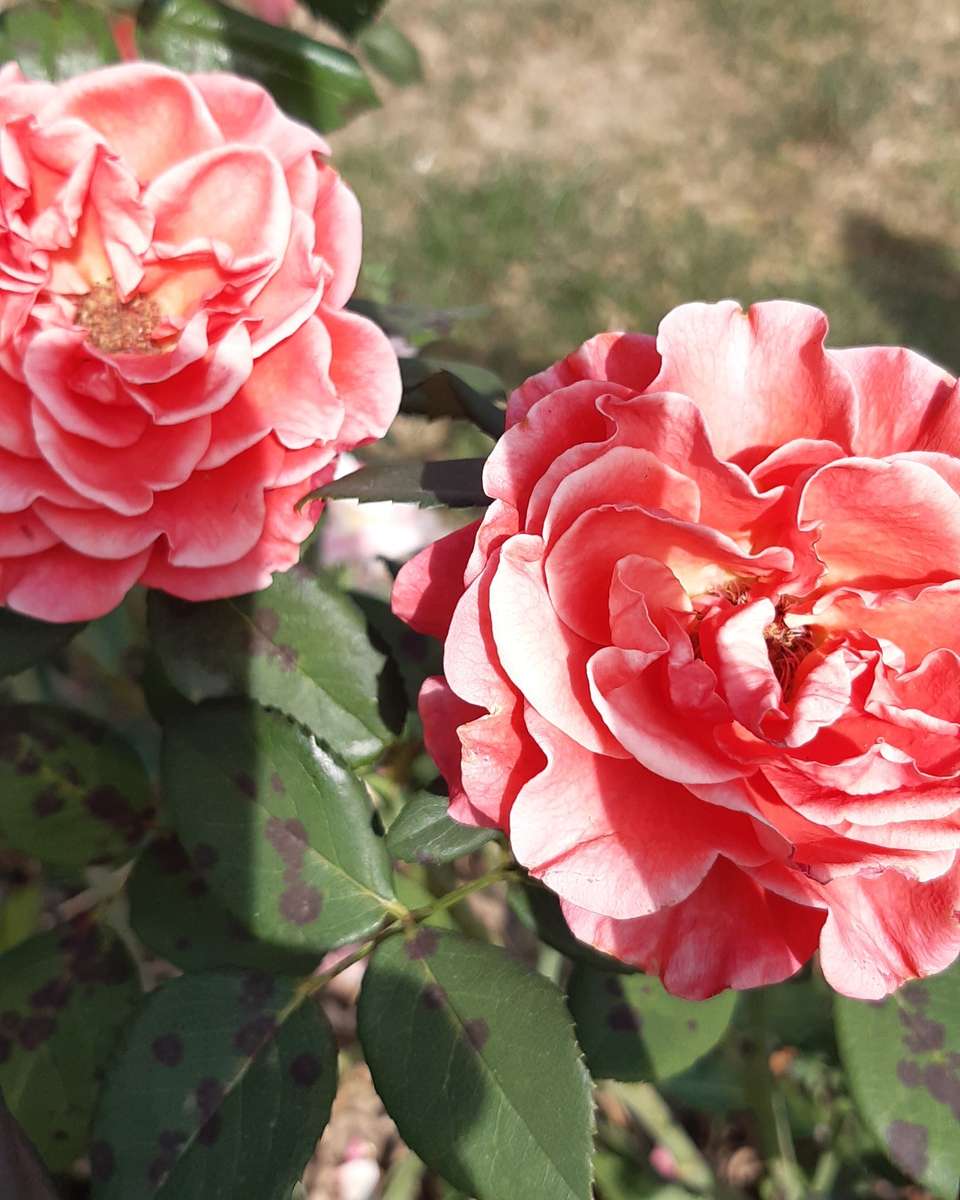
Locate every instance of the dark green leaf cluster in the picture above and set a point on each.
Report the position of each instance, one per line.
(172, 1032)
(168, 1026)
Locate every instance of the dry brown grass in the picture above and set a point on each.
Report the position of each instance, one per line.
(574, 165)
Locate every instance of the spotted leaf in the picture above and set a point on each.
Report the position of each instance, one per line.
(281, 831)
(221, 1091)
(300, 646)
(74, 792)
(630, 1028)
(902, 1057)
(64, 996)
(174, 913)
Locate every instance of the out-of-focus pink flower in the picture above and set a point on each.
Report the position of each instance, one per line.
(702, 653)
(277, 12)
(663, 1162)
(176, 365)
(358, 1176)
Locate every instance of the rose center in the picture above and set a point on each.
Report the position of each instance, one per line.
(118, 326)
(786, 646)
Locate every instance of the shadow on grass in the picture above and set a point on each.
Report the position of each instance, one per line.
(915, 281)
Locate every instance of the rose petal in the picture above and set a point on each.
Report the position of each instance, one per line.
(544, 659)
(149, 116)
(366, 375)
(761, 377)
(630, 359)
(61, 585)
(885, 929)
(608, 835)
(425, 592)
(900, 394)
(731, 932)
(245, 112)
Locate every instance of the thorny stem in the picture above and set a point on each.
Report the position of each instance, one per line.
(497, 875)
(399, 918)
(767, 1104)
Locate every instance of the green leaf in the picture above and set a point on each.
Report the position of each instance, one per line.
(391, 53)
(631, 1028)
(902, 1057)
(415, 655)
(21, 906)
(434, 388)
(223, 1087)
(539, 909)
(56, 41)
(175, 914)
(64, 996)
(457, 483)
(350, 16)
(300, 646)
(476, 1062)
(19, 1165)
(412, 893)
(23, 641)
(424, 833)
(316, 83)
(281, 830)
(74, 792)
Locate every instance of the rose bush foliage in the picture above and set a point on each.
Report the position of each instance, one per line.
(176, 365)
(702, 653)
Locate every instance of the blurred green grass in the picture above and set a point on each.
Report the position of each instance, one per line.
(573, 167)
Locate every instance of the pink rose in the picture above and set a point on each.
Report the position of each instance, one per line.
(176, 366)
(703, 651)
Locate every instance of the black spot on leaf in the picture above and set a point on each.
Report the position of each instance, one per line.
(908, 1146)
(289, 839)
(209, 1096)
(34, 1031)
(168, 1049)
(245, 783)
(300, 904)
(943, 1085)
(47, 803)
(477, 1032)
(110, 805)
(170, 856)
(53, 994)
(28, 765)
(909, 1073)
(433, 996)
(256, 990)
(422, 945)
(920, 1033)
(209, 1131)
(250, 1037)
(305, 1070)
(622, 1019)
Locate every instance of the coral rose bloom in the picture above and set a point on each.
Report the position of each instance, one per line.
(703, 651)
(176, 367)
